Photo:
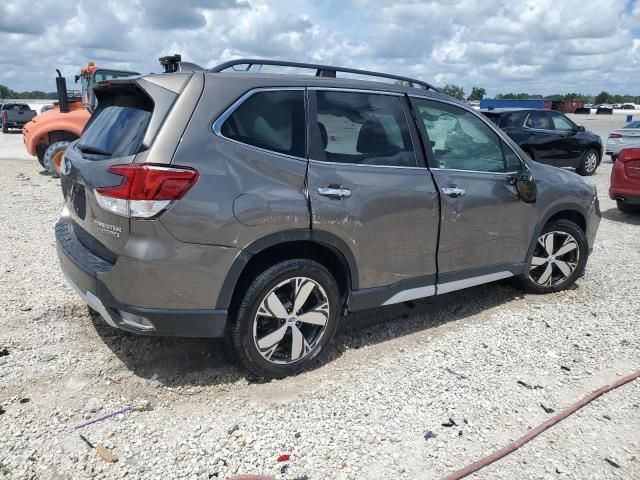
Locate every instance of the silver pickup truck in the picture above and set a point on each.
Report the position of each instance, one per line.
(15, 115)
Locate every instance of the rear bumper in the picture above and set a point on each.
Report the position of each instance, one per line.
(83, 270)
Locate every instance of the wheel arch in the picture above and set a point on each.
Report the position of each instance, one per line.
(325, 248)
(567, 211)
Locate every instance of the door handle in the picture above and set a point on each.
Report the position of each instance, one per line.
(454, 191)
(337, 192)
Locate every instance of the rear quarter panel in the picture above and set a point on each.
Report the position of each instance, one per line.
(243, 193)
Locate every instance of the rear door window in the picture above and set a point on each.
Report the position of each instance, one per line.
(515, 119)
(362, 128)
(540, 121)
(272, 120)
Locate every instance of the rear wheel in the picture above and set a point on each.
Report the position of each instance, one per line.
(5, 129)
(614, 158)
(53, 157)
(589, 162)
(559, 258)
(286, 318)
(626, 208)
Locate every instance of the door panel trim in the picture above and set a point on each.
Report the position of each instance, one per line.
(471, 282)
(411, 294)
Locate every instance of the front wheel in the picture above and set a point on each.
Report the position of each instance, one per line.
(589, 163)
(286, 318)
(559, 258)
(53, 157)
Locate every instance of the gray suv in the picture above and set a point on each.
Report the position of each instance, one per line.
(262, 207)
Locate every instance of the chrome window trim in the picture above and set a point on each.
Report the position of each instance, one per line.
(326, 162)
(217, 124)
(376, 92)
(357, 90)
(483, 119)
(475, 171)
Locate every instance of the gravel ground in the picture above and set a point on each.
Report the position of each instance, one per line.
(407, 391)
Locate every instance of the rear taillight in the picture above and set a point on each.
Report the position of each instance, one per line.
(630, 158)
(632, 168)
(5, 115)
(615, 135)
(145, 190)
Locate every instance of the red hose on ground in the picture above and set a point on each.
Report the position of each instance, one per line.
(533, 433)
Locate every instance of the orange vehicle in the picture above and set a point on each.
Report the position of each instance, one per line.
(48, 134)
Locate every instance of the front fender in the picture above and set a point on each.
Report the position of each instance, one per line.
(37, 131)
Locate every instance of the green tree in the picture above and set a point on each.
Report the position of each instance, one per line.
(604, 97)
(454, 91)
(477, 93)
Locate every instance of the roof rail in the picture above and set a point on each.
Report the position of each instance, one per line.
(321, 70)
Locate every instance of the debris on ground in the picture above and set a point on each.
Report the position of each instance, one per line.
(104, 417)
(93, 405)
(450, 423)
(547, 409)
(530, 387)
(4, 352)
(285, 457)
(429, 435)
(85, 440)
(106, 454)
(613, 463)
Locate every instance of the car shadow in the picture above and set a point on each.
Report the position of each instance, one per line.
(192, 362)
(616, 215)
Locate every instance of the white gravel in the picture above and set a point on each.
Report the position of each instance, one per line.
(394, 375)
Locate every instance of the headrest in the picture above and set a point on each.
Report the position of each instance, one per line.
(323, 135)
(373, 139)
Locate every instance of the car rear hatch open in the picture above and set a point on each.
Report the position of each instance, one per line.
(106, 173)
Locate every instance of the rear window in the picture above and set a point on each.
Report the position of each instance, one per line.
(273, 120)
(494, 117)
(15, 106)
(118, 125)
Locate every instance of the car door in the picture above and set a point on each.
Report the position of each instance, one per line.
(568, 146)
(369, 187)
(540, 137)
(485, 229)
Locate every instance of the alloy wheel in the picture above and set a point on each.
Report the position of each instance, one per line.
(554, 259)
(291, 320)
(591, 162)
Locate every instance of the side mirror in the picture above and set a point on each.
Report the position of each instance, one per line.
(580, 128)
(525, 185)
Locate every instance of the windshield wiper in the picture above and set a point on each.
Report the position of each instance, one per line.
(92, 150)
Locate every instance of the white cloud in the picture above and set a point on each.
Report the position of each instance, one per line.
(541, 46)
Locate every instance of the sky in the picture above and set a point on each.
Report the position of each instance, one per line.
(534, 46)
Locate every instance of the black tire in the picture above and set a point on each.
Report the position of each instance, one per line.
(246, 320)
(50, 154)
(614, 158)
(589, 163)
(40, 156)
(626, 208)
(576, 259)
(5, 129)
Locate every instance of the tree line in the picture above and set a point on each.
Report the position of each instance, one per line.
(478, 93)
(6, 92)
